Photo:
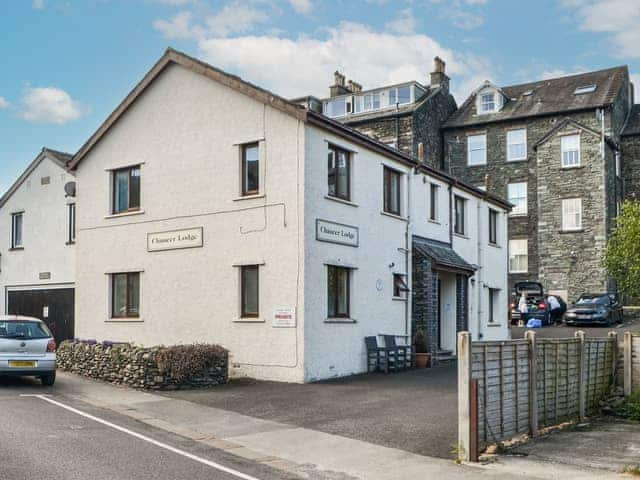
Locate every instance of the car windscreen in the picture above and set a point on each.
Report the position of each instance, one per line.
(24, 329)
(593, 301)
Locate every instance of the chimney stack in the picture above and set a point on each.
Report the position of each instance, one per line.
(338, 87)
(355, 87)
(438, 76)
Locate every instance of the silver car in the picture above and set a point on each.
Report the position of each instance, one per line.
(27, 348)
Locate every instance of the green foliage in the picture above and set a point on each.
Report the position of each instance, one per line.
(183, 362)
(458, 452)
(622, 256)
(631, 409)
(632, 470)
(420, 342)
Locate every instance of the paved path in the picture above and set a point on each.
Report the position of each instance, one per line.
(248, 444)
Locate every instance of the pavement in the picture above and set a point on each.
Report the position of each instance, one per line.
(85, 428)
(415, 411)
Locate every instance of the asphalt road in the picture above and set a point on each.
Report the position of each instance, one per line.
(44, 440)
(563, 331)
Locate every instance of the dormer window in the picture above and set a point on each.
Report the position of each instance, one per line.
(488, 102)
(372, 101)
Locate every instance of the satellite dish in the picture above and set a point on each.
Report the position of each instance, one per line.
(70, 189)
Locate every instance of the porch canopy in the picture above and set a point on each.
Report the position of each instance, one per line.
(442, 256)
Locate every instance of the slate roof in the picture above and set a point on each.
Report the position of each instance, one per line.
(442, 255)
(552, 96)
(633, 122)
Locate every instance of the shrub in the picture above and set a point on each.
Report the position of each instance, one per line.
(182, 362)
(420, 342)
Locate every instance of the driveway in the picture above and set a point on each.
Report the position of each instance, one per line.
(631, 323)
(414, 411)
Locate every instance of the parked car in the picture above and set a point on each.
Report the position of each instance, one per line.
(595, 308)
(27, 348)
(536, 302)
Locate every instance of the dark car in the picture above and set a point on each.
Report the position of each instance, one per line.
(595, 308)
(536, 302)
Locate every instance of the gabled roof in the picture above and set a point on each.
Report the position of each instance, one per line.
(59, 158)
(548, 97)
(442, 255)
(569, 121)
(632, 127)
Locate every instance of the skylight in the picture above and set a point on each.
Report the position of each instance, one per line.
(527, 93)
(585, 89)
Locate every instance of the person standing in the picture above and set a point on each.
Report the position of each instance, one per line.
(523, 308)
(555, 309)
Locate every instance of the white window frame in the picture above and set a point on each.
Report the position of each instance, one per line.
(564, 148)
(515, 212)
(571, 214)
(71, 223)
(484, 103)
(14, 216)
(434, 193)
(513, 253)
(470, 139)
(510, 143)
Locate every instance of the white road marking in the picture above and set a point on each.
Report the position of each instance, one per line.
(204, 461)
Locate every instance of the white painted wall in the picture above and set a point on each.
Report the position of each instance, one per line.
(185, 130)
(335, 349)
(44, 233)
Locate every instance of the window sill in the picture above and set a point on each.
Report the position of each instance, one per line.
(393, 215)
(494, 245)
(341, 200)
(125, 320)
(434, 221)
(574, 230)
(16, 249)
(70, 243)
(125, 214)
(571, 167)
(249, 197)
(249, 320)
(399, 299)
(477, 165)
(340, 320)
(460, 235)
(491, 324)
(524, 272)
(518, 215)
(517, 160)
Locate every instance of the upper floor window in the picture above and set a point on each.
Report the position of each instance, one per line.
(518, 255)
(571, 214)
(126, 189)
(400, 95)
(493, 226)
(71, 223)
(339, 173)
(459, 219)
(16, 230)
(517, 195)
(477, 149)
(433, 202)
(372, 101)
(570, 145)
(391, 194)
(250, 169)
(336, 108)
(516, 145)
(487, 102)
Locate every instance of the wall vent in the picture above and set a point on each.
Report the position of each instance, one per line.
(45, 180)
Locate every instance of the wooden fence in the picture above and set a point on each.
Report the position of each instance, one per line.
(631, 362)
(514, 387)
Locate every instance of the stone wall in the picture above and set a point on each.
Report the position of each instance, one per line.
(428, 118)
(630, 146)
(390, 129)
(424, 297)
(147, 368)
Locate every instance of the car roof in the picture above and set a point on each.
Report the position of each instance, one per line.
(17, 318)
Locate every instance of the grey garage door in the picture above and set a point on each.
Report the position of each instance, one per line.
(54, 306)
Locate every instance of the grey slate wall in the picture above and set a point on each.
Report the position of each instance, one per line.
(631, 166)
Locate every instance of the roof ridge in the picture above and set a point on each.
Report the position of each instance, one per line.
(562, 77)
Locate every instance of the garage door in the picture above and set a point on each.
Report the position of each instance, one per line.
(54, 306)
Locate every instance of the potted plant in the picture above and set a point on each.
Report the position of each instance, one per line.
(420, 346)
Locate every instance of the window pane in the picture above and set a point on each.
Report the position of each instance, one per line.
(459, 215)
(391, 191)
(119, 294)
(516, 144)
(571, 213)
(337, 108)
(343, 174)
(332, 175)
(251, 165)
(337, 292)
(404, 94)
(250, 290)
(17, 230)
(393, 97)
(570, 146)
(134, 188)
(433, 214)
(476, 150)
(517, 194)
(518, 256)
(121, 200)
(343, 292)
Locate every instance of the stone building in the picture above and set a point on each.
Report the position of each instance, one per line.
(630, 146)
(403, 116)
(552, 148)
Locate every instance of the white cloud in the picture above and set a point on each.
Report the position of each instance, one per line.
(38, 4)
(461, 14)
(174, 3)
(50, 105)
(304, 65)
(404, 23)
(4, 103)
(301, 6)
(234, 17)
(560, 72)
(618, 18)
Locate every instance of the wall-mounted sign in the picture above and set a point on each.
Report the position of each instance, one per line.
(175, 239)
(332, 232)
(284, 317)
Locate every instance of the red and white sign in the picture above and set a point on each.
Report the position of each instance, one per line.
(284, 317)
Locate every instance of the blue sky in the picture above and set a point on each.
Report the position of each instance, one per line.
(67, 64)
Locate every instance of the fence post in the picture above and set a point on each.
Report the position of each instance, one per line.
(582, 385)
(530, 335)
(464, 396)
(627, 363)
(613, 337)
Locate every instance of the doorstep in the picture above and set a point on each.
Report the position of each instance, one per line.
(300, 451)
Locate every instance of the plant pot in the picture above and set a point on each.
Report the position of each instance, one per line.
(422, 360)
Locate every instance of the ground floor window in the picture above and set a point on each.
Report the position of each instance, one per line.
(493, 304)
(338, 292)
(400, 288)
(249, 291)
(125, 295)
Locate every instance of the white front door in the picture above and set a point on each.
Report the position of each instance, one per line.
(448, 311)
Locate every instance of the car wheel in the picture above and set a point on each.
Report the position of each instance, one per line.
(48, 380)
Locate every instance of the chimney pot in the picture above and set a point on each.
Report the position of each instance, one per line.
(338, 78)
(438, 77)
